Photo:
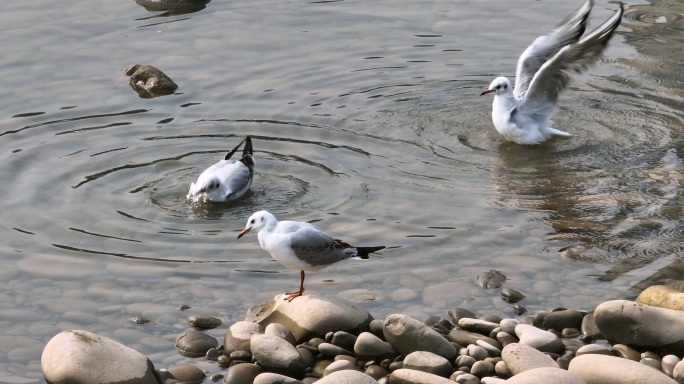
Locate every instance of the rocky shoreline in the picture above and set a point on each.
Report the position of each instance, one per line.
(330, 340)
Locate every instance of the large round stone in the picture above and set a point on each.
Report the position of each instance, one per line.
(81, 357)
(602, 369)
(641, 326)
(407, 335)
(411, 376)
(347, 377)
(558, 320)
(242, 373)
(311, 316)
(239, 334)
(274, 378)
(428, 362)
(274, 352)
(545, 376)
(520, 358)
(193, 343)
(662, 296)
(370, 347)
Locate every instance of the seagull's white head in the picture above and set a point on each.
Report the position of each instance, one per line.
(257, 222)
(499, 86)
(207, 185)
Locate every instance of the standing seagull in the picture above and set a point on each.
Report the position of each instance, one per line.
(544, 69)
(226, 180)
(301, 246)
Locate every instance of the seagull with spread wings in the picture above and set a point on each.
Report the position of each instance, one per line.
(301, 246)
(522, 115)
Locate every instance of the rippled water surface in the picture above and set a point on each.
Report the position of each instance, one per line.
(366, 119)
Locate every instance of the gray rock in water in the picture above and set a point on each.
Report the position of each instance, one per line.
(370, 347)
(347, 377)
(242, 373)
(544, 341)
(641, 326)
(546, 376)
(407, 335)
(520, 358)
(149, 81)
(558, 320)
(203, 321)
(311, 316)
(238, 336)
(274, 378)
(81, 357)
(193, 343)
(187, 373)
(272, 352)
(428, 362)
(279, 330)
(601, 369)
(511, 296)
(490, 280)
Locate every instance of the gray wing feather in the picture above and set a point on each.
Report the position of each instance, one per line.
(555, 74)
(544, 47)
(316, 247)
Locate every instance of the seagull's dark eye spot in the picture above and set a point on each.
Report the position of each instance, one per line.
(505, 86)
(498, 86)
(252, 221)
(262, 219)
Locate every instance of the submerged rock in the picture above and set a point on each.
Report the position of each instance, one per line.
(490, 280)
(194, 343)
(311, 316)
(81, 357)
(149, 81)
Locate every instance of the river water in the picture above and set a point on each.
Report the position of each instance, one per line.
(366, 119)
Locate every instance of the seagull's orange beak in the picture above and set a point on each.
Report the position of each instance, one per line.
(244, 232)
(201, 190)
(486, 92)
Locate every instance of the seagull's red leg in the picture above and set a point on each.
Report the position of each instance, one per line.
(295, 294)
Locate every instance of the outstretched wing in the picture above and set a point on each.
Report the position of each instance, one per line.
(545, 47)
(316, 247)
(554, 75)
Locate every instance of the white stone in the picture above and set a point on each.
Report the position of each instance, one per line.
(274, 378)
(678, 372)
(428, 362)
(602, 369)
(520, 358)
(239, 334)
(81, 357)
(411, 376)
(508, 325)
(274, 352)
(372, 347)
(593, 348)
(347, 377)
(668, 363)
(544, 341)
(546, 376)
(279, 330)
(339, 365)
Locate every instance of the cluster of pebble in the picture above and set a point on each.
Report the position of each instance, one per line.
(329, 340)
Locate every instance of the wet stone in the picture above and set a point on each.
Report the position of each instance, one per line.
(242, 373)
(490, 280)
(187, 373)
(194, 343)
(213, 354)
(458, 313)
(203, 321)
(491, 318)
(149, 81)
(344, 340)
(558, 320)
(589, 327)
(183, 307)
(511, 296)
(482, 327)
(240, 355)
(376, 371)
(519, 309)
(223, 361)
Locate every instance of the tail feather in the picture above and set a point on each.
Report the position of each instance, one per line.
(364, 251)
(229, 154)
(248, 147)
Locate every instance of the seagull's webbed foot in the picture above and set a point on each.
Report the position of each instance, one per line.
(292, 295)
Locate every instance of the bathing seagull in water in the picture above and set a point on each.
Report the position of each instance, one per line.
(522, 115)
(226, 180)
(301, 246)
